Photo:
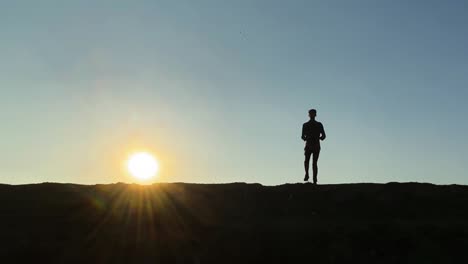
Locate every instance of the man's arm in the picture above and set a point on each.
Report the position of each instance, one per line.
(304, 137)
(323, 136)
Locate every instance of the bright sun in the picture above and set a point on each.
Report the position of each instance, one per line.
(142, 165)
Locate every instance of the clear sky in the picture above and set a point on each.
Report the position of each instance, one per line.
(219, 90)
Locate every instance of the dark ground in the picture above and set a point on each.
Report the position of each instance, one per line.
(234, 223)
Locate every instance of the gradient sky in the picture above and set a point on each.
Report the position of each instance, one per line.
(219, 90)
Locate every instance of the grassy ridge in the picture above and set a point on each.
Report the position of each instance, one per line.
(233, 223)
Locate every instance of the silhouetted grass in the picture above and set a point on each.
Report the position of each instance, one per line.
(234, 223)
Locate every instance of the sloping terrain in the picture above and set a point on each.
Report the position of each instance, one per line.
(234, 223)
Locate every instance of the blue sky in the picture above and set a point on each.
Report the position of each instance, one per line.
(218, 90)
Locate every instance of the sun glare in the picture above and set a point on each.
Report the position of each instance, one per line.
(142, 165)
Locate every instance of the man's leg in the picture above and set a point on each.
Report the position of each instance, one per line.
(315, 158)
(306, 164)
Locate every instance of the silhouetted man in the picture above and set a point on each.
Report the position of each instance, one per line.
(312, 133)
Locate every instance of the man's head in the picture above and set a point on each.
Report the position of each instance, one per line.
(312, 113)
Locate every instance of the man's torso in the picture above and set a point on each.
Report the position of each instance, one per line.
(312, 131)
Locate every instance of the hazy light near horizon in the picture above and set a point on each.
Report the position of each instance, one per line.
(142, 166)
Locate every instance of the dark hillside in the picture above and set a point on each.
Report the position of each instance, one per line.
(234, 223)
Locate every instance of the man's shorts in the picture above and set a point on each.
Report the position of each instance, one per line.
(311, 148)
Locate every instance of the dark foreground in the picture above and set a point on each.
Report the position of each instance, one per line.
(234, 223)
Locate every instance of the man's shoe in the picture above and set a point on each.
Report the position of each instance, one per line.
(306, 178)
